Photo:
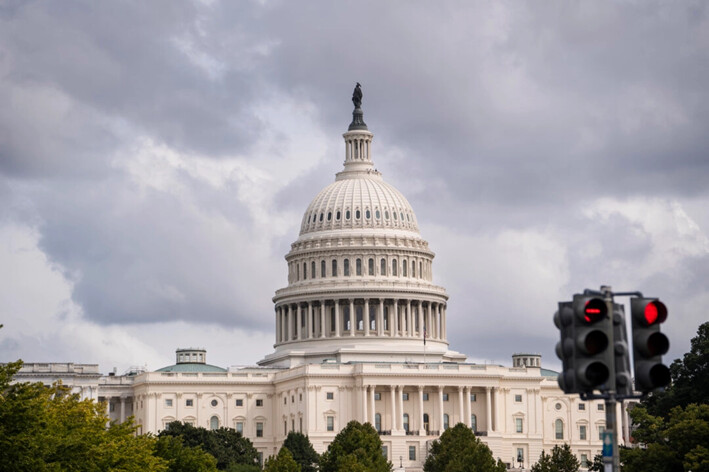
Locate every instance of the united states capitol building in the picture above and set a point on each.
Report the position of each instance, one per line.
(360, 334)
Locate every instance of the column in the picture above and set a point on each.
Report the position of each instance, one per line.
(337, 318)
(440, 410)
(421, 322)
(460, 406)
(428, 320)
(365, 412)
(322, 318)
(466, 400)
(286, 323)
(123, 408)
(394, 319)
(409, 318)
(380, 318)
(497, 410)
(278, 326)
(392, 390)
(353, 317)
(422, 432)
(299, 320)
(488, 398)
(372, 403)
(443, 323)
(400, 416)
(365, 317)
(309, 322)
(434, 321)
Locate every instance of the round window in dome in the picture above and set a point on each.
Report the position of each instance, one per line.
(214, 403)
(377, 214)
(337, 215)
(347, 215)
(321, 216)
(368, 214)
(357, 214)
(329, 216)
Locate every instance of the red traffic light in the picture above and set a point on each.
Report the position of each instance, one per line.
(594, 310)
(655, 312)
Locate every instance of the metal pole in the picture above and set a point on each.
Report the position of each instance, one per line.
(611, 460)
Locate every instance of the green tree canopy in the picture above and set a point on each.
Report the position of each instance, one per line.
(182, 458)
(458, 450)
(283, 462)
(356, 448)
(690, 378)
(560, 460)
(302, 450)
(227, 446)
(48, 429)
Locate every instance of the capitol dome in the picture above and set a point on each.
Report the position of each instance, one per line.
(360, 276)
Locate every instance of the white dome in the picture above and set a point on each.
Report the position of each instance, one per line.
(359, 201)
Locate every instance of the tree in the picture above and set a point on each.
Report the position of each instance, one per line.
(597, 464)
(227, 446)
(302, 450)
(690, 378)
(356, 448)
(47, 429)
(183, 458)
(283, 462)
(560, 460)
(458, 450)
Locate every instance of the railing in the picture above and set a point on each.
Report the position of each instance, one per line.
(480, 433)
(385, 432)
(433, 432)
(412, 433)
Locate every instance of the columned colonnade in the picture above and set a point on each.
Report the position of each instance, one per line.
(336, 318)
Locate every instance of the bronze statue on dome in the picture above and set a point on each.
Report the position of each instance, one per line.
(357, 96)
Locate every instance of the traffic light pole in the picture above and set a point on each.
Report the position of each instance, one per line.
(611, 459)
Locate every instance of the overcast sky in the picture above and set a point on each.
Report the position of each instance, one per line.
(156, 158)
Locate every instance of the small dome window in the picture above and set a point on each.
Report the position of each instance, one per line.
(337, 215)
(402, 216)
(329, 216)
(309, 218)
(358, 214)
(394, 213)
(377, 214)
(407, 217)
(368, 214)
(322, 215)
(386, 215)
(347, 215)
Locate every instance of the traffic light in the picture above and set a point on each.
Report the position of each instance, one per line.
(649, 344)
(564, 320)
(621, 352)
(593, 353)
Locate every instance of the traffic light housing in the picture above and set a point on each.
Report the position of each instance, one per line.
(593, 354)
(649, 344)
(564, 320)
(621, 352)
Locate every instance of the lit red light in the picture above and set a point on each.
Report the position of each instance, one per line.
(650, 313)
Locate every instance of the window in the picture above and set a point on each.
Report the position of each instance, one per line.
(337, 215)
(601, 430)
(413, 269)
(347, 215)
(404, 265)
(292, 425)
(358, 267)
(331, 423)
(370, 264)
(582, 432)
(300, 397)
(357, 214)
(189, 402)
(378, 422)
(518, 425)
(329, 216)
(445, 397)
(377, 214)
(518, 399)
(559, 429)
(214, 402)
(239, 402)
(473, 422)
(346, 268)
(305, 270)
(367, 214)
(259, 430)
(168, 402)
(600, 407)
(239, 427)
(330, 395)
(394, 267)
(425, 396)
(334, 267)
(285, 428)
(446, 421)
(412, 453)
(426, 421)
(383, 268)
(285, 400)
(420, 269)
(322, 269)
(385, 452)
(300, 425)
(473, 397)
(292, 398)
(259, 402)
(312, 270)
(584, 460)
(406, 422)
(377, 396)
(520, 455)
(582, 406)
(405, 396)
(321, 216)
(214, 423)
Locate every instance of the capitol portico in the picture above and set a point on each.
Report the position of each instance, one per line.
(360, 334)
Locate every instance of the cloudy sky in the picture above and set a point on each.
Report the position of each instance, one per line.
(156, 158)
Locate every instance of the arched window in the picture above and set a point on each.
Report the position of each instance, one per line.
(322, 268)
(394, 266)
(383, 268)
(420, 269)
(312, 269)
(446, 421)
(214, 422)
(404, 265)
(377, 214)
(359, 318)
(347, 215)
(337, 215)
(334, 267)
(371, 266)
(358, 265)
(358, 214)
(378, 422)
(406, 422)
(385, 319)
(321, 216)
(346, 318)
(329, 216)
(413, 269)
(332, 319)
(426, 422)
(559, 429)
(305, 270)
(297, 272)
(368, 214)
(346, 268)
(473, 422)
